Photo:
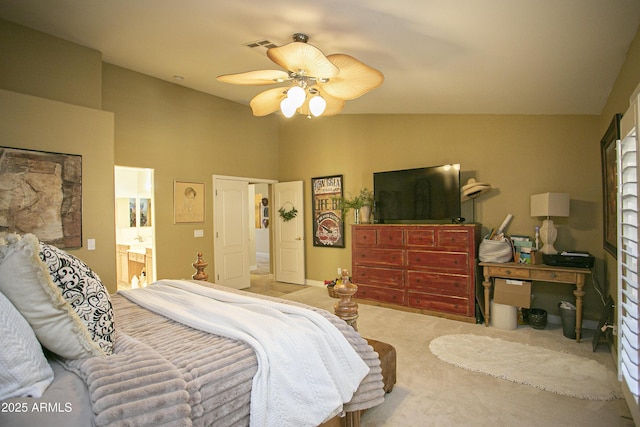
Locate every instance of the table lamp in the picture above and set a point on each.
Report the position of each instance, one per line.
(548, 205)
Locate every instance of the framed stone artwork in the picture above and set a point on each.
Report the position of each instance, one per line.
(41, 193)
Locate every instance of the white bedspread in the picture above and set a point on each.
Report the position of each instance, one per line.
(307, 369)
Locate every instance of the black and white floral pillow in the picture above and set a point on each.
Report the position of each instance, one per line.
(84, 291)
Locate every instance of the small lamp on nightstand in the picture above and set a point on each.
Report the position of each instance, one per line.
(548, 205)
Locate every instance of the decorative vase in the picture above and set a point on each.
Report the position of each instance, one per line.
(365, 214)
(356, 216)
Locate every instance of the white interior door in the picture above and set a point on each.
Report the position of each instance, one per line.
(289, 235)
(231, 239)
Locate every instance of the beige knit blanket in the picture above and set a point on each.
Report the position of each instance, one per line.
(165, 373)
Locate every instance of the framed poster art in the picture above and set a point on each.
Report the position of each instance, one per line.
(328, 227)
(188, 202)
(609, 185)
(41, 193)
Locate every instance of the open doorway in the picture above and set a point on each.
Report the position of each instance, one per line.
(260, 222)
(135, 227)
(233, 208)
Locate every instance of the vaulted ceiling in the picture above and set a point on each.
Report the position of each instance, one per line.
(449, 57)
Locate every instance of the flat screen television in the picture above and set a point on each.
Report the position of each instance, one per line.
(421, 195)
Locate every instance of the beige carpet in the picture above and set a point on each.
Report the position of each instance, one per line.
(430, 392)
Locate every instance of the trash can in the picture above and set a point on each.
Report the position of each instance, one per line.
(568, 317)
(537, 318)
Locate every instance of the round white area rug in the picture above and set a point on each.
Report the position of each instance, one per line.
(549, 370)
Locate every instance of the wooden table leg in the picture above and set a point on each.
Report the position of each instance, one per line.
(352, 419)
(579, 293)
(487, 295)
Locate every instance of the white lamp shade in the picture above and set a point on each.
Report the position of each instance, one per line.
(317, 104)
(550, 204)
(296, 95)
(287, 108)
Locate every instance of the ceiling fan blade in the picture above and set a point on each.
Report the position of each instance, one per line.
(255, 78)
(355, 78)
(267, 102)
(296, 56)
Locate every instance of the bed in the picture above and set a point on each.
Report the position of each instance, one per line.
(174, 353)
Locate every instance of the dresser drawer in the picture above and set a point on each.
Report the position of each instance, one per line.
(453, 240)
(380, 257)
(364, 236)
(516, 273)
(553, 276)
(391, 236)
(450, 261)
(439, 283)
(387, 277)
(422, 238)
(441, 303)
(382, 294)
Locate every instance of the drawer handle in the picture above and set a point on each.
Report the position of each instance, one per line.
(553, 275)
(508, 271)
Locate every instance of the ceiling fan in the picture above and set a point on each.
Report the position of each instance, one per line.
(318, 84)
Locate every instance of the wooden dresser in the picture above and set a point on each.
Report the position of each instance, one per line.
(424, 268)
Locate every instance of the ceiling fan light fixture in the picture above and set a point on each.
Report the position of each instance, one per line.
(317, 105)
(339, 77)
(287, 107)
(296, 95)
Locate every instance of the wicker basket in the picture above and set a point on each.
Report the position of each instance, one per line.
(332, 291)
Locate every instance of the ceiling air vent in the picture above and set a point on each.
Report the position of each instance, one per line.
(261, 45)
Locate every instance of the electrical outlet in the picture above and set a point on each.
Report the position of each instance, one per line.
(339, 271)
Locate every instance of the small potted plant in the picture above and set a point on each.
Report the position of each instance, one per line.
(362, 205)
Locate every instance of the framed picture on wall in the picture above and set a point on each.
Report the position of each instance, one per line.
(188, 202)
(609, 185)
(328, 227)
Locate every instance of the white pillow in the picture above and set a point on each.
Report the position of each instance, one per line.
(24, 371)
(26, 282)
(84, 291)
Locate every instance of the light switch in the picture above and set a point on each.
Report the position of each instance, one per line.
(91, 244)
(198, 233)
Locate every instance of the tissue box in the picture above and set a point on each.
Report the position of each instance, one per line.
(512, 292)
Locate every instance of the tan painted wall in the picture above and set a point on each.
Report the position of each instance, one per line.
(518, 155)
(41, 124)
(189, 136)
(35, 63)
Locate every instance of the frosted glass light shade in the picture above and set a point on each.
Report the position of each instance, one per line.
(550, 204)
(287, 108)
(297, 95)
(317, 104)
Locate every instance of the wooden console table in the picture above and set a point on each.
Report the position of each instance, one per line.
(542, 273)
